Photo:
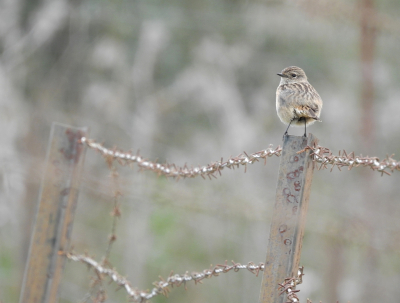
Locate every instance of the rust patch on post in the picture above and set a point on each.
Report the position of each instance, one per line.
(288, 219)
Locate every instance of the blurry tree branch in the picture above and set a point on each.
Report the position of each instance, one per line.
(45, 21)
(345, 11)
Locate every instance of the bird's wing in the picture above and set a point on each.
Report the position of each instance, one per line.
(306, 111)
(305, 99)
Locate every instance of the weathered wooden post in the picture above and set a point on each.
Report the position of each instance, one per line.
(59, 193)
(288, 220)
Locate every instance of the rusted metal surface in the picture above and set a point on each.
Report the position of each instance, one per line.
(288, 220)
(57, 203)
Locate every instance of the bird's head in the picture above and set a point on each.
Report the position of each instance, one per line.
(292, 74)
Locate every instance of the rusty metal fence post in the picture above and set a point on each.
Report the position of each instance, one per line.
(57, 203)
(289, 216)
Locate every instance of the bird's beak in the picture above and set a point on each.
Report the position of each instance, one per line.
(282, 75)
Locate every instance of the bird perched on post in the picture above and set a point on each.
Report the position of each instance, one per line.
(297, 101)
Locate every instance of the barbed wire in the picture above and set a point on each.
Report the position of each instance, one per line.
(324, 156)
(116, 212)
(174, 171)
(97, 288)
(162, 287)
(289, 286)
(319, 154)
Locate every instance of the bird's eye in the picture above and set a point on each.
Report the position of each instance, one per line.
(294, 75)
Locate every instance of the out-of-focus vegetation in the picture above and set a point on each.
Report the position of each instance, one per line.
(190, 81)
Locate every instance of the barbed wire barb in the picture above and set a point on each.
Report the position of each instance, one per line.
(289, 286)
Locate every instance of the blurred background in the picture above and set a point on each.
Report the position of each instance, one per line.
(191, 81)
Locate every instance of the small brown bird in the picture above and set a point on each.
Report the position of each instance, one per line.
(297, 102)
